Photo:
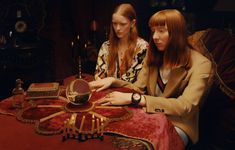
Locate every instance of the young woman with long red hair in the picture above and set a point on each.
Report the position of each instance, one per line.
(123, 54)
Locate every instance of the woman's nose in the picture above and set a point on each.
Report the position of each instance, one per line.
(155, 36)
(118, 27)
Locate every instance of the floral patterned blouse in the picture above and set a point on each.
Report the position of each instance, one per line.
(132, 72)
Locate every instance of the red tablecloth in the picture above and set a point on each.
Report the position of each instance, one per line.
(15, 135)
(152, 128)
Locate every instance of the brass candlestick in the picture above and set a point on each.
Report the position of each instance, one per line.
(77, 55)
(79, 67)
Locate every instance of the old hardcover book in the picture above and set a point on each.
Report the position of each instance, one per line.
(43, 90)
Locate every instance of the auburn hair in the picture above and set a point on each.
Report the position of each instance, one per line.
(176, 52)
(128, 12)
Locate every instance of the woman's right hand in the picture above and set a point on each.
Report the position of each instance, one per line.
(101, 84)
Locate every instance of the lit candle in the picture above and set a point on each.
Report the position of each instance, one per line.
(102, 126)
(67, 125)
(93, 124)
(81, 125)
(72, 123)
(98, 125)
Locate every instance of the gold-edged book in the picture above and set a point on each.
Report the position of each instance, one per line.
(43, 90)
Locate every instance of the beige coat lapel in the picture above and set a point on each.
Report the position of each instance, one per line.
(176, 77)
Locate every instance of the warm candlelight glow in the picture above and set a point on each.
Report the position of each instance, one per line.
(93, 124)
(102, 126)
(98, 125)
(67, 126)
(81, 125)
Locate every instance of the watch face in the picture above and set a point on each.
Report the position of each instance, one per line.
(136, 96)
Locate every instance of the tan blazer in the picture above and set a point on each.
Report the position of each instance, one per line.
(182, 95)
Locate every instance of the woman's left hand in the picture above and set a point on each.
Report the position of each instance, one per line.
(116, 98)
(101, 84)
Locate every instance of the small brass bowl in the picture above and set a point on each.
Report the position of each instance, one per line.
(78, 92)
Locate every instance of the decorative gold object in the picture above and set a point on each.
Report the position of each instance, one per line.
(71, 131)
(18, 94)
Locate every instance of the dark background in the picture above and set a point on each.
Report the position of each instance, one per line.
(53, 24)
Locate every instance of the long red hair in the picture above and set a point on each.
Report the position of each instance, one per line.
(127, 11)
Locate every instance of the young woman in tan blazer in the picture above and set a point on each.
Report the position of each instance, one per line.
(174, 75)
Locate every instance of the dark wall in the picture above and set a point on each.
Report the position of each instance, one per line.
(67, 19)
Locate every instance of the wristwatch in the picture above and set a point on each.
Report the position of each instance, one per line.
(135, 99)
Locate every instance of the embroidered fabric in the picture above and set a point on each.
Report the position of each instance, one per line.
(131, 73)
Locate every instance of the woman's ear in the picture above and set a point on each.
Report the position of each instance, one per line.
(133, 22)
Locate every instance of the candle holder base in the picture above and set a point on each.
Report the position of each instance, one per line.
(70, 107)
(83, 137)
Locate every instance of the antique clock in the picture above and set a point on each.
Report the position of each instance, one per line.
(20, 25)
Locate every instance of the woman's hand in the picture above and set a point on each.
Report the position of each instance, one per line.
(116, 98)
(101, 84)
